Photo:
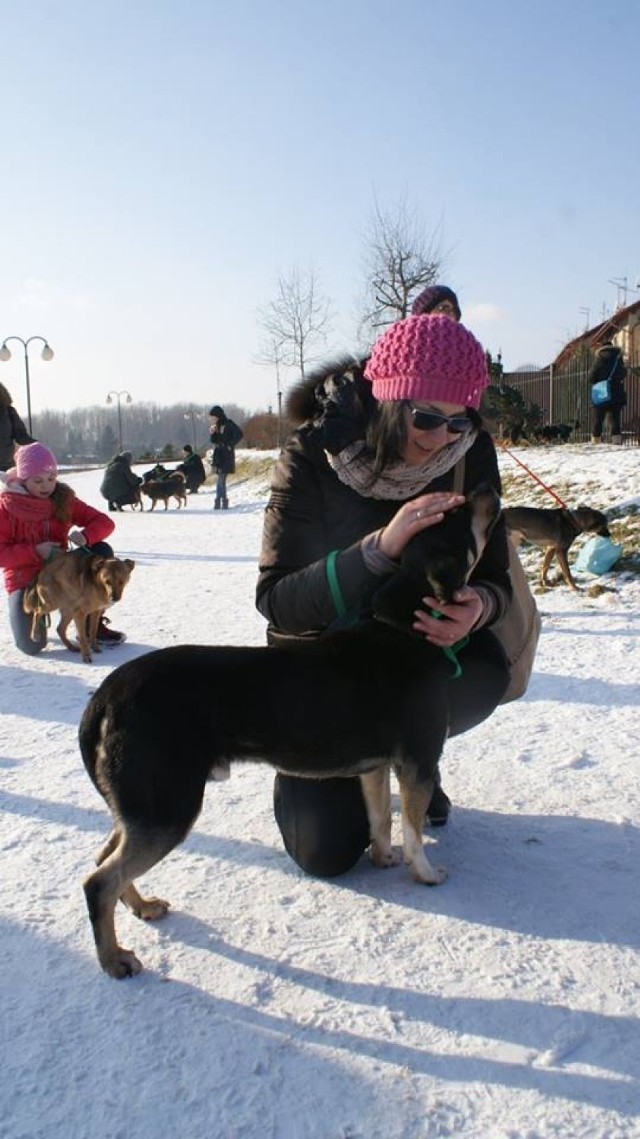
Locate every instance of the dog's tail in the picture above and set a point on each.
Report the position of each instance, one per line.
(32, 602)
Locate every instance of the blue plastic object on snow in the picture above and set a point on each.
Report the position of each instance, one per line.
(597, 556)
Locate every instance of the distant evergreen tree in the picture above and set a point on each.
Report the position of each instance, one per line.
(107, 444)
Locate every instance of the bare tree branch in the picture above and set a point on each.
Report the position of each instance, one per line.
(295, 323)
(399, 261)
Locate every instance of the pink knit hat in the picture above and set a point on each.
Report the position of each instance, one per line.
(428, 357)
(34, 460)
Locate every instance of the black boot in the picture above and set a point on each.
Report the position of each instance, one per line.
(216, 505)
(225, 503)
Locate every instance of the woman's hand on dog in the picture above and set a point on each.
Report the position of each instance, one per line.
(413, 516)
(457, 620)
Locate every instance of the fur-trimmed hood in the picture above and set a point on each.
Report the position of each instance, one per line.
(337, 399)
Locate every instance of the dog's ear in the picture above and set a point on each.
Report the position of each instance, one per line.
(131, 565)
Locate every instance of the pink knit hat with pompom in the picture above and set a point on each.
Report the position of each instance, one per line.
(428, 358)
(33, 460)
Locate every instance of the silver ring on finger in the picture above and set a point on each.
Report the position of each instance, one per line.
(419, 514)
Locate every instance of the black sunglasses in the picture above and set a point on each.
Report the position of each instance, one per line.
(432, 420)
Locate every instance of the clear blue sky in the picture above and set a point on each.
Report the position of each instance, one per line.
(163, 161)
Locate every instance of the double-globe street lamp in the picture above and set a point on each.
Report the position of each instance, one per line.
(192, 414)
(118, 396)
(47, 354)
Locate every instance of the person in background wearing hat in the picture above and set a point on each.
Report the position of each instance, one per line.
(371, 465)
(12, 430)
(39, 516)
(225, 436)
(120, 484)
(192, 469)
(437, 299)
(608, 365)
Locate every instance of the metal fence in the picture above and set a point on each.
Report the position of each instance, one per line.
(564, 397)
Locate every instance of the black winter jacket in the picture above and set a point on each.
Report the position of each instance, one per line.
(224, 440)
(12, 431)
(310, 513)
(194, 472)
(119, 481)
(609, 365)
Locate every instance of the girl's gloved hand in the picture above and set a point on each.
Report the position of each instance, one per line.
(45, 550)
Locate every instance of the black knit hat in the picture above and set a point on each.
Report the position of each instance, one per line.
(427, 300)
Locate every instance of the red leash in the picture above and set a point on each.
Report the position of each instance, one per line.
(534, 477)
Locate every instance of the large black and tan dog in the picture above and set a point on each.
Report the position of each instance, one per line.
(554, 531)
(355, 703)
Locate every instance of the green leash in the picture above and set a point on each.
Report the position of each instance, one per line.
(451, 651)
(334, 585)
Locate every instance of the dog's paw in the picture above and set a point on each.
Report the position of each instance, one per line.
(123, 963)
(384, 856)
(151, 909)
(429, 875)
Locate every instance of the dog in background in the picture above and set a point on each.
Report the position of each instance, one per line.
(554, 531)
(173, 485)
(81, 586)
(350, 703)
(555, 433)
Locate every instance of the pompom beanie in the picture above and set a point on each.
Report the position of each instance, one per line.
(34, 460)
(427, 300)
(428, 358)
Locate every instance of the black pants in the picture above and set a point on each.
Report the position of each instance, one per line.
(601, 413)
(324, 823)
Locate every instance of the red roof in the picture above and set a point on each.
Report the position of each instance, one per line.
(594, 336)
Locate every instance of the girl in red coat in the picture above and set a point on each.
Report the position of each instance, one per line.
(38, 516)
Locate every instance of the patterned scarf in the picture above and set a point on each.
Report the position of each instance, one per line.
(29, 516)
(354, 468)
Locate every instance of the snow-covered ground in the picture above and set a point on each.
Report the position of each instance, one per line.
(502, 1005)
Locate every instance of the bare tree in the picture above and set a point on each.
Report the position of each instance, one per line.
(295, 323)
(400, 260)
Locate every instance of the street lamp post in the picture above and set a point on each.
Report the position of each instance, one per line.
(118, 396)
(193, 415)
(47, 354)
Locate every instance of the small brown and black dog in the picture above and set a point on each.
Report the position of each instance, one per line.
(81, 585)
(161, 490)
(554, 531)
(354, 702)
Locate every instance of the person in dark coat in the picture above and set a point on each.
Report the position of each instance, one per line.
(119, 484)
(225, 436)
(12, 430)
(192, 469)
(371, 464)
(608, 365)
